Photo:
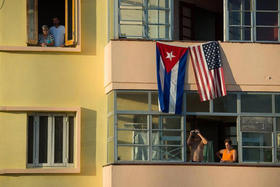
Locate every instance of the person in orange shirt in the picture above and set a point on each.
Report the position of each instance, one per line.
(228, 154)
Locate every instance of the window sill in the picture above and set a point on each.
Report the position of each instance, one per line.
(206, 164)
(39, 49)
(39, 170)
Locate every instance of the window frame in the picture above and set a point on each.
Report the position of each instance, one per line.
(51, 135)
(117, 21)
(253, 26)
(150, 112)
(76, 22)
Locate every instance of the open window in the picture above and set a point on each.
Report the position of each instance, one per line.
(42, 12)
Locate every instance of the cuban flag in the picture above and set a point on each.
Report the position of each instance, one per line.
(171, 68)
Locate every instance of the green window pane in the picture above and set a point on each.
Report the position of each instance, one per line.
(239, 33)
(132, 122)
(256, 103)
(277, 103)
(225, 104)
(130, 153)
(132, 137)
(256, 139)
(195, 105)
(257, 155)
(111, 126)
(259, 124)
(267, 33)
(132, 101)
(266, 4)
(155, 101)
(167, 138)
(167, 153)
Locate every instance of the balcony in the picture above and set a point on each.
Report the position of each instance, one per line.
(131, 64)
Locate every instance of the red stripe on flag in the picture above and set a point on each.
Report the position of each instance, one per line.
(195, 75)
(201, 76)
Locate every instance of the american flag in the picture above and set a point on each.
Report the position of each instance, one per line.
(207, 66)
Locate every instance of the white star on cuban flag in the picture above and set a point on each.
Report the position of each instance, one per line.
(171, 68)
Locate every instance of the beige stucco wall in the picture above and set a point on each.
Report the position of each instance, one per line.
(247, 66)
(186, 175)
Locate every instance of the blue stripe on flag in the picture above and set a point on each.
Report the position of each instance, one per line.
(160, 91)
(180, 83)
(166, 91)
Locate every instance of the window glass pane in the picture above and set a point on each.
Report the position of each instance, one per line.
(43, 139)
(259, 124)
(225, 104)
(132, 122)
(195, 105)
(131, 2)
(239, 4)
(131, 15)
(58, 139)
(30, 138)
(131, 31)
(168, 122)
(166, 137)
(166, 153)
(256, 139)
(110, 99)
(132, 137)
(267, 33)
(128, 153)
(278, 139)
(277, 103)
(278, 155)
(110, 147)
(267, 18)
(158, 3)
(132, 101)
(239, 33)
(158, 16)
(257, 155)
(155, 101)
(69, 20)
(111, 126)
(158, 31)
(256, 103)
(267, 4)
(71, 140)
(238, 18)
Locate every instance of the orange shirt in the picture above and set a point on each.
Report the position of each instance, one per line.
(228, 156)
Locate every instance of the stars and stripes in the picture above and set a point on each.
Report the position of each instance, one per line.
(207, 66)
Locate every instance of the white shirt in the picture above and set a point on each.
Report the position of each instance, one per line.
(58, 34)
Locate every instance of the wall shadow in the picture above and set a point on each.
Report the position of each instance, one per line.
(230, 82)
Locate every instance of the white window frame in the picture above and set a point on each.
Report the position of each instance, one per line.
(118, 21)
(51, 136)
(253, 25)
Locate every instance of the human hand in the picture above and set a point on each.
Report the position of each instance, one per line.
(196, 131)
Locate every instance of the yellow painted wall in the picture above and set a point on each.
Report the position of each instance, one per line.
(53, 79)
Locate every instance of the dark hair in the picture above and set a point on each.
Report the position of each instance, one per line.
(56, 17)
(228, 141)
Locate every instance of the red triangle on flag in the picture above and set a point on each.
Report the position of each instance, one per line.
(170, 55)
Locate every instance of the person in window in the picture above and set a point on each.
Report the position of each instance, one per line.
(58, 31)
(196, 144)
(46, 39)
(228, 154)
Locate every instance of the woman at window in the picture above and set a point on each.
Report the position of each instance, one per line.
(228, 154)
(46, 39)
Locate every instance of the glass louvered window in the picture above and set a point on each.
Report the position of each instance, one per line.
(147, 19)
(252, 20)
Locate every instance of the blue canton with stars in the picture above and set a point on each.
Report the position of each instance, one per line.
(212, 55)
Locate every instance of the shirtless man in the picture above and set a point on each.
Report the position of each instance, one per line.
(196, 144)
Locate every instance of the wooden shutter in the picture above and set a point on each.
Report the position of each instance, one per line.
(69, 22)
(32, 22)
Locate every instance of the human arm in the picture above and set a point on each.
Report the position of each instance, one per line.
(203, 140)
(218, 154)
(190, 140)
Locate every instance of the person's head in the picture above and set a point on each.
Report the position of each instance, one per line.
(195, 136)
(228, 143)
(45, 29)
(56, 21)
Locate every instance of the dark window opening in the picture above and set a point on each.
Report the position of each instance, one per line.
(199, 21)
(47, 10)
